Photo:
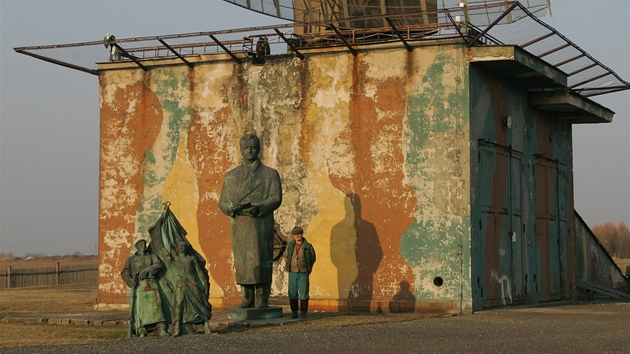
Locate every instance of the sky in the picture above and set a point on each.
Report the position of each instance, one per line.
(49, 115)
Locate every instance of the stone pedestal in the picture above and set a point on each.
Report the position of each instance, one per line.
(254, 313)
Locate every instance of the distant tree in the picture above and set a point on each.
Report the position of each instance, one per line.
(623, 238)
(616, 239)
(607, 235)
(4, 255)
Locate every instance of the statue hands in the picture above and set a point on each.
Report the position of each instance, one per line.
(144, 274)
(254, 211)
(233, 208)
(242, 209)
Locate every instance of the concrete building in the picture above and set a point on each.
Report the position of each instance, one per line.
(429, 163)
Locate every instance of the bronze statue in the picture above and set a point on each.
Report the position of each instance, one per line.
(190, 302)
(145, 302)
(251, 193)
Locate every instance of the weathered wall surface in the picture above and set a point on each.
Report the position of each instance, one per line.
(373, 152)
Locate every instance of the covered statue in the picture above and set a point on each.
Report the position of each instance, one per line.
(177, 282)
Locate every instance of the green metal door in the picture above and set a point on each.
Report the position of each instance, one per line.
(500, 242)
(551, 229)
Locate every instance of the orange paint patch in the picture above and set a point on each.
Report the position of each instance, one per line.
(124, 138)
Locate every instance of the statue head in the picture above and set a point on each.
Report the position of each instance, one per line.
(141, 246)
(250, 147)
(182, 247)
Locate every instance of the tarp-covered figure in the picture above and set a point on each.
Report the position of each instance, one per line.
(184, 281)
(109, 41)
(145, 299)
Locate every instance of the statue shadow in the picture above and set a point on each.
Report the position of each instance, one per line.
(367, 252)
(404, 301)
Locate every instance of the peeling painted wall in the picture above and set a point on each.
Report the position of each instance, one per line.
(373, 152)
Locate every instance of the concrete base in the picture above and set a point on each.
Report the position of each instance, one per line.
(254, 313)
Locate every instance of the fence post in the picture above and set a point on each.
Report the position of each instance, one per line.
(58, 274)
(9, 277)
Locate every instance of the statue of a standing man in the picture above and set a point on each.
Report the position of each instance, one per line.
(251, 192)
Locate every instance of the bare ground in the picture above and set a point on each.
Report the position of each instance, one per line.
(81, 298)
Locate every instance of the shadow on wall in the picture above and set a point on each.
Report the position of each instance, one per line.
(367, 251)
(404, 300)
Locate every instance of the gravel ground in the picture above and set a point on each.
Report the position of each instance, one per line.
(590, 328)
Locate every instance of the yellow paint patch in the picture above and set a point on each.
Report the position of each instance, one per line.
(327, 119)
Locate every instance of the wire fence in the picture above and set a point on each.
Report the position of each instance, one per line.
(57, 274)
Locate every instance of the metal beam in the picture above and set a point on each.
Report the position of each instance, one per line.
(554, 50)
(397, 32)
(483, 33)
(344, 40)
(537, 39)
(290, 44)
(276, 4)
(127, 55)
(584, 68)
(569, 60)
(176, 53)
(589, 80)
(225, 49)
(64, 64)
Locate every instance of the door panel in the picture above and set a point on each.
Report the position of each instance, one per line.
(551, 228)
(501, 224)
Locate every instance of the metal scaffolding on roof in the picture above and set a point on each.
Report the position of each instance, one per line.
(476, 25)
(350, 13)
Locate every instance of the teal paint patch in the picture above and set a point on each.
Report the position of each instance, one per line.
(443, 118)
(432, 248)
(433, 244)
(149, 157)
(173, 88)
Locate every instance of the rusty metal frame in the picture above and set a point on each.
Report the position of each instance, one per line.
(584, 53)
(327, 36)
